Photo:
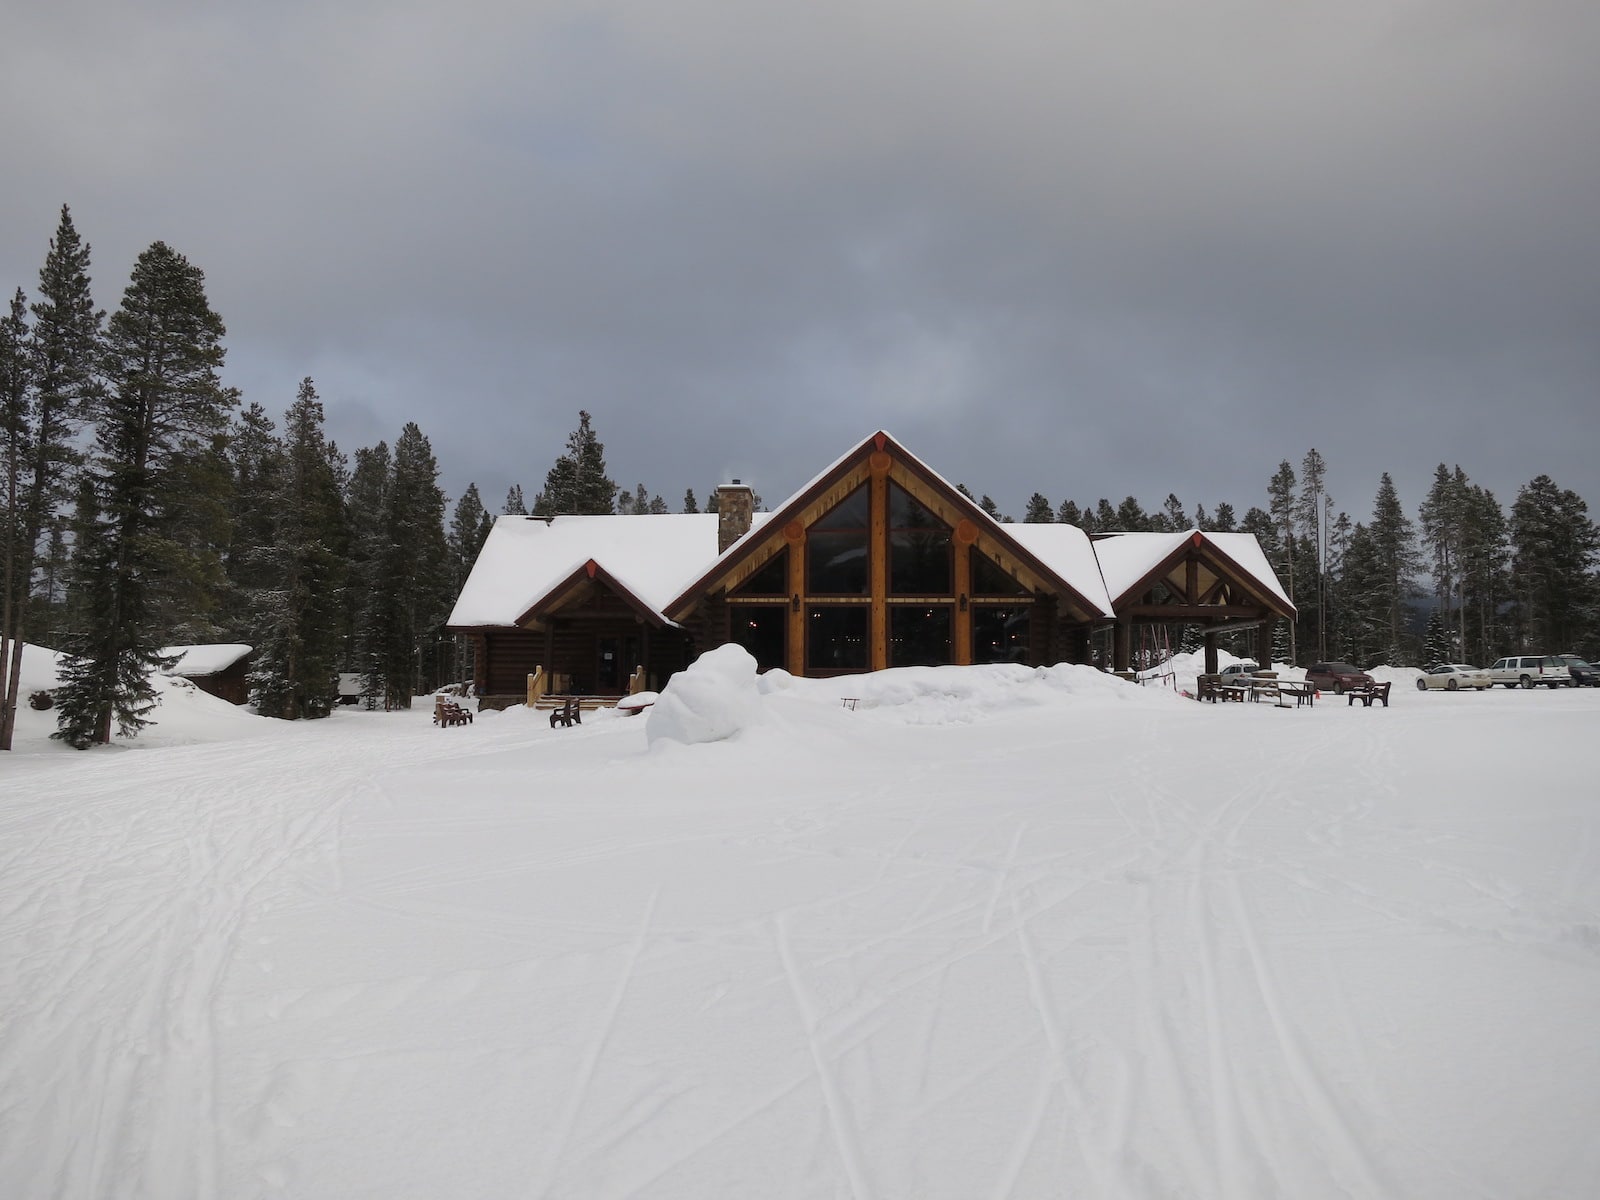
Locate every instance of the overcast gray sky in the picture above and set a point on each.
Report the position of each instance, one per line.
(1087, 249)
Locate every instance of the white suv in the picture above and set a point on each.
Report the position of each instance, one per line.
(1528, 670)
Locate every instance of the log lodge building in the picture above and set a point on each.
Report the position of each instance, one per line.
(877, 562)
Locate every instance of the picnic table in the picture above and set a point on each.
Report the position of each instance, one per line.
(1305, 694)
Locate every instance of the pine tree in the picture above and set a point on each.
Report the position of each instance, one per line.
(1174, 518)
(1394, 540)
(1441, 521)
(1068, 514)
(993, 509)
(15, 420)
(514, 506)
(689, 503)
(469, 529)
(1223, 520)
(1555, 543)
(366, 495)
(165, 407)
(1131, 516)
(1485, 583)
(1039, 511)
(1202, 519)
(400, 635)
(1281, 491)
(1313, 511)
(297, 627)
(1339, 532)
(1106, 518)
(63, 357)
(577, 483)
(255, 458)
(1365, 591)
(1438, 643)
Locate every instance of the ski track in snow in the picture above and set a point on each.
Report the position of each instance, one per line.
(388, 959)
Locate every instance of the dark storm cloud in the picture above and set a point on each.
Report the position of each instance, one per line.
(1085, 249)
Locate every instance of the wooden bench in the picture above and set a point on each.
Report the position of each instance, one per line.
(447, 713)
(1367, 693)
(568, 715)
(1208, 687)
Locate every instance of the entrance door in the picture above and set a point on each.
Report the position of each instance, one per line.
(615, 660)
(608, 668)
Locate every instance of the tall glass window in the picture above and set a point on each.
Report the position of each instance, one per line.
(761, 629)
(919, 635)
(837, 549)
(1000, 634)
(920, 562)
(837, 638)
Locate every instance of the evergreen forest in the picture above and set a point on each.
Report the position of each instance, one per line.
(145, 505)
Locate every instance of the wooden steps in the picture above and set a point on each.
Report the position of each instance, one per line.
(552, 701)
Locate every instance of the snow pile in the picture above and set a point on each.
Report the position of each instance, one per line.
(183, 715)
(970, 695)
(710, 702)
(1400, 679)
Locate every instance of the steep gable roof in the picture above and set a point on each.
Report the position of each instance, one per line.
(1060, 561)
(1131, 562)
(527, 561)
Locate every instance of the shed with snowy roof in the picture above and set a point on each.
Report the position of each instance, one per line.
(877, 562)
(219, 668)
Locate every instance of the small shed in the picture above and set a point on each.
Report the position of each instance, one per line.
(221, 668)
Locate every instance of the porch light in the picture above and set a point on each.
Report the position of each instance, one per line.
(794, 603)
(963, 602)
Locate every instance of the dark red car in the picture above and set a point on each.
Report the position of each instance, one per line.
(1335, 676)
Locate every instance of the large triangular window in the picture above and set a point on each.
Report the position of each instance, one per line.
(989, 580)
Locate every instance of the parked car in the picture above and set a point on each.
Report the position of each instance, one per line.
(1245, 668)
(1336, 677)
(1453, 677)
(1530, 670)
(1584, 674)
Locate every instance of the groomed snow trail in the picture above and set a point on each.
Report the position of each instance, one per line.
(1119, 951)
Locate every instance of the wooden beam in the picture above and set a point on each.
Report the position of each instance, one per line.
(1190, 612)
(961, 652)
(795, 534)
(878, 557)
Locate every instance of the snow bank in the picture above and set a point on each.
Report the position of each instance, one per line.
(183, 715)
(710, 702)
(968, 695)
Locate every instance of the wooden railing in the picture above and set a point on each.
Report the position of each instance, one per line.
(636, 681)
(538, 685)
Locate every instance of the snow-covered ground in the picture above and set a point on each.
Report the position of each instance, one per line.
(991, 933)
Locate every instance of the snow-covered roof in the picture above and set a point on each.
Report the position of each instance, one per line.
(525, 558)
(204, 659)
(1244, 550)
(663, 561)
(1126, 558)
(1067, 551)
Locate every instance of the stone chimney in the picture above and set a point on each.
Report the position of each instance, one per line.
(736, 503)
